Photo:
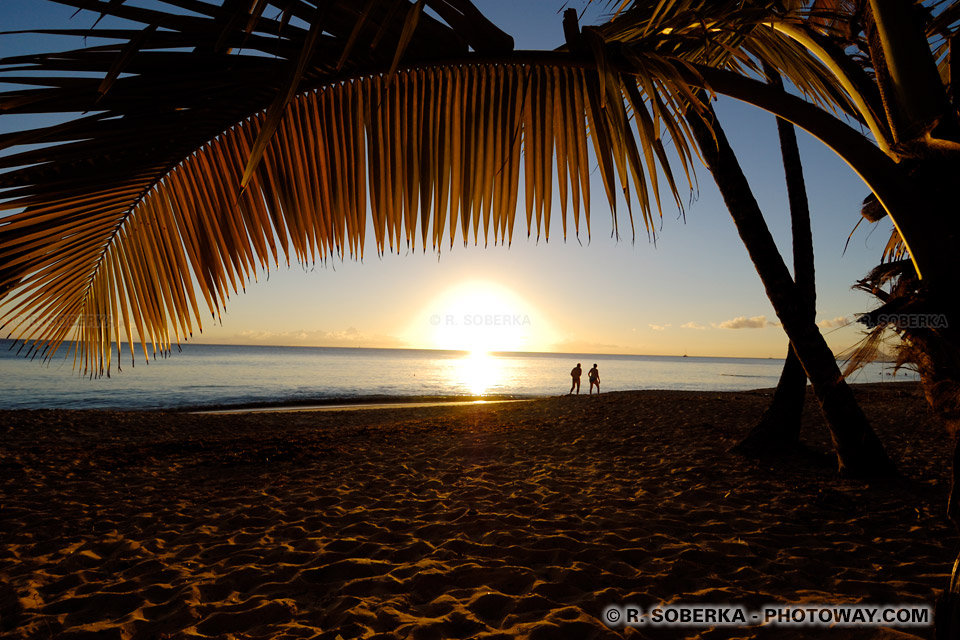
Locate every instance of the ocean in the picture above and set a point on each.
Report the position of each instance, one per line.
(207, 376)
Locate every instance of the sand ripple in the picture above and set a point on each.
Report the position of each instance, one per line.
(497, 521)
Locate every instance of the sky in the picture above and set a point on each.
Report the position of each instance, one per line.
(694, 292)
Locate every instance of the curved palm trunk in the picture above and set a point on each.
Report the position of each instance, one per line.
(779, 428)
(859, 451)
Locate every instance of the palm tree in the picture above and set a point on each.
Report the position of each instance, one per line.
(859, 451)
(778, 429)
(893, 61)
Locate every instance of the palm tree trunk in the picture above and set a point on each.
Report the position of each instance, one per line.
(859, 451)
(779, 428)
(914, 95)
(937, 360)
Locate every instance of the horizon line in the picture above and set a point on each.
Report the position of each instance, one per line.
(176, 347)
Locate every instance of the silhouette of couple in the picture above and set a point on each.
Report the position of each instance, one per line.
(593, 375)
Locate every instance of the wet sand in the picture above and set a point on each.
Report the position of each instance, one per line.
(513, 520)
(353, 406)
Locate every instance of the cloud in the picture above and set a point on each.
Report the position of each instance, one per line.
(756, 322)
(692, 325)
(311, 337)
(839, 321)
(659, 327)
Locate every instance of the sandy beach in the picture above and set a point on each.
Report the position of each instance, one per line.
(513, 520)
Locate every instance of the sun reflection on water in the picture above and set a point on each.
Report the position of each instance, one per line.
(477, 371)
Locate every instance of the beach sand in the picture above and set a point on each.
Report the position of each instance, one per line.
(515, 520)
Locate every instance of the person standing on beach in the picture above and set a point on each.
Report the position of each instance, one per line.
(594, 376)
(575, 374)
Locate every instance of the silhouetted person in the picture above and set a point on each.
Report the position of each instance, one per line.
(594, 376)
(575, 374)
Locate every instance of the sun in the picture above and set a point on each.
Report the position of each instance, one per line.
(482, 317)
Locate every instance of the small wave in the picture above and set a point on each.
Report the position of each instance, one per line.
(741, 375)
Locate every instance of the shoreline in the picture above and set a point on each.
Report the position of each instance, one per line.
(344, 402)
(382, 401)
(495, 520)
(354, 406)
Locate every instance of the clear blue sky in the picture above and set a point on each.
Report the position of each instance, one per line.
(684, 295)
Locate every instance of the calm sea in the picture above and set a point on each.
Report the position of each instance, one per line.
(218, 375)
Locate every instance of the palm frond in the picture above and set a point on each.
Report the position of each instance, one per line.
(737, 36)
(895, 249)
(896, 286)
(427, 151)
(868, 349)
(942, 32)
(165, 91)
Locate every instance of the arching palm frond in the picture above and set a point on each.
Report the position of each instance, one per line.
(741, 37)
(138, 109)
(416, 142)
(135, 221)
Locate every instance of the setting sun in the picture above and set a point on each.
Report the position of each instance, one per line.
(481, 317)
